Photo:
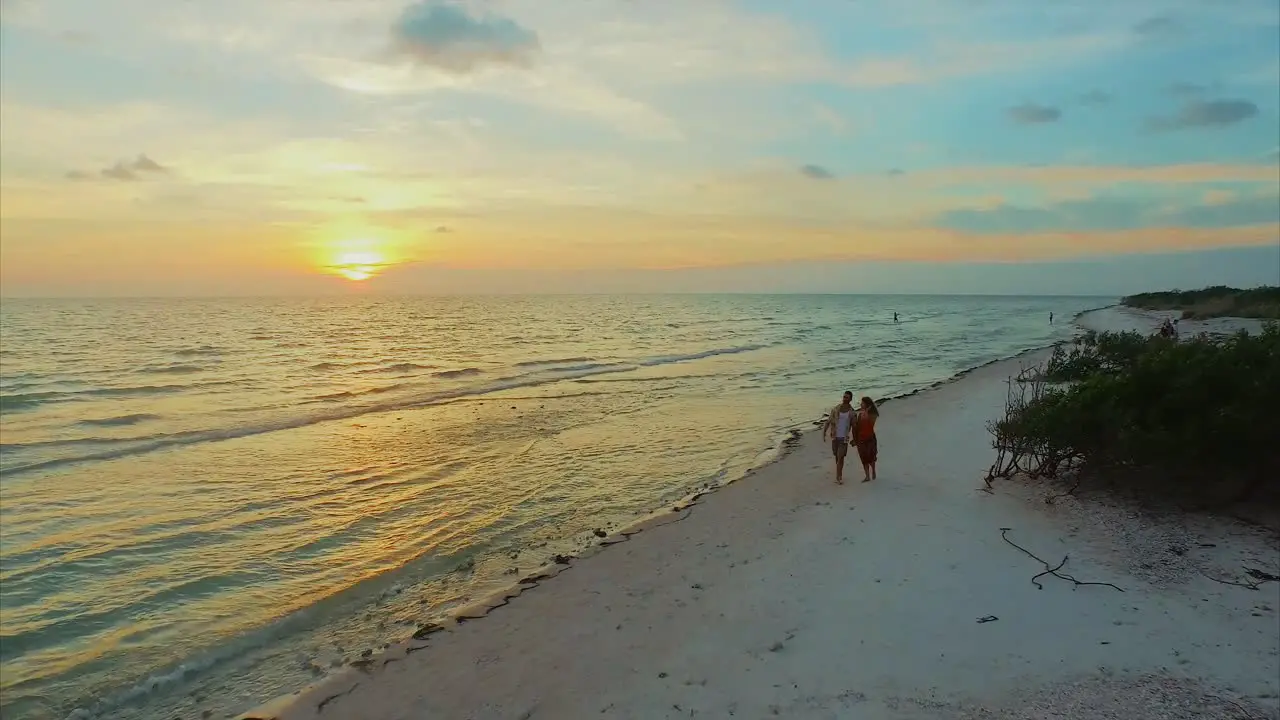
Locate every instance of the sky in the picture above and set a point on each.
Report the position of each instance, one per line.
(246, 147)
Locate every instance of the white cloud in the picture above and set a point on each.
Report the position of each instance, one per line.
(659, 71)
(834, 122)
(556, 87)
(612, 61)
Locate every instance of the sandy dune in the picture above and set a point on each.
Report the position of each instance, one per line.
(1124, 319)
(784, 595)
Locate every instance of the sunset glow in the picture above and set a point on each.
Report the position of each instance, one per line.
(358, 266)
(481, 142)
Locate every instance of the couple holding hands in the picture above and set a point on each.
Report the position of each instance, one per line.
(847, 425)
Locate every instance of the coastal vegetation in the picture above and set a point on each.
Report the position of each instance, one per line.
(1191, 422)
(1210, 302)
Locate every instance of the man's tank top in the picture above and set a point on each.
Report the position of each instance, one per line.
(842, 424)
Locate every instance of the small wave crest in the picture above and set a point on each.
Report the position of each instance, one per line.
(173, 369)
(464, 372)
(16, 402)
(119, 420)
(405, 367)
(668, 359)
(134, 390)
(585, 366)
(553, 361)
(357, 393)
(198, 351)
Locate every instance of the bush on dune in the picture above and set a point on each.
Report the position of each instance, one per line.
(1195, 421)
(1216, 301)
(1095, 353)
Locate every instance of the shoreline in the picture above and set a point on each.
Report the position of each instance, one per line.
(231, 667)
(672, 512)
(695, 634)
(344, 682)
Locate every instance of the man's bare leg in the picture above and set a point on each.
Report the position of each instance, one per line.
(839, 471)
(873, 471)
(866, 472)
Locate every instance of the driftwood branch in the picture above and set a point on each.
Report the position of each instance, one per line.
(1244, 714)
(1071, 491)
(1258, 576)
(1049, 569)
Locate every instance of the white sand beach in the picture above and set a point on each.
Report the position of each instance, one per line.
(1125, 319)
(785, 595)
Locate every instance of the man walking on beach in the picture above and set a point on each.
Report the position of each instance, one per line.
(838, 426)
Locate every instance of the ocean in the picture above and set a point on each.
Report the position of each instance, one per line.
(205, 504)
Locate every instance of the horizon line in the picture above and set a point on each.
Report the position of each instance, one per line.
(326, 296)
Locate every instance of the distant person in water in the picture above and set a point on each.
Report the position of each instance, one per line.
(1050, 318)
(839, 427)
(865, 437)
(895, 317)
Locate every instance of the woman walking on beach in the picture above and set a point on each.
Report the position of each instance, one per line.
(865, 437)
(838, 426)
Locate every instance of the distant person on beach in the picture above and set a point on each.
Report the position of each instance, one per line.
(865, 437)
(838, 427)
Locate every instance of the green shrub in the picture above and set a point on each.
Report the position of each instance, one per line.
(1198, 419)
(1216, 301)
(1094, 353)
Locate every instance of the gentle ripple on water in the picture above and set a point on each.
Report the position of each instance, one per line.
(200, 498)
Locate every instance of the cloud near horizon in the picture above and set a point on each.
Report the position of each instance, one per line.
(122, 170)
(1206, 114)
(613, 134)
(1032, 114)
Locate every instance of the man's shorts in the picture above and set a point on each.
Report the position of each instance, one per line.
(840, 447)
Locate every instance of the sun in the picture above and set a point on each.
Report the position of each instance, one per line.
(358, 266)
(357, 273)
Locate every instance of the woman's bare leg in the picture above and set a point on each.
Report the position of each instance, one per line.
(866, 472)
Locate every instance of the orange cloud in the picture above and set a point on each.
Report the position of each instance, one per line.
(621, 239)
(248, 259)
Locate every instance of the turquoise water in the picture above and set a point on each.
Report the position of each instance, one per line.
(208, 503)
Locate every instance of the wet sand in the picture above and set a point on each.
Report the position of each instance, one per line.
(785, 595)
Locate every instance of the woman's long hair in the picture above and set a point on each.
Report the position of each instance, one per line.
(870, 405)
